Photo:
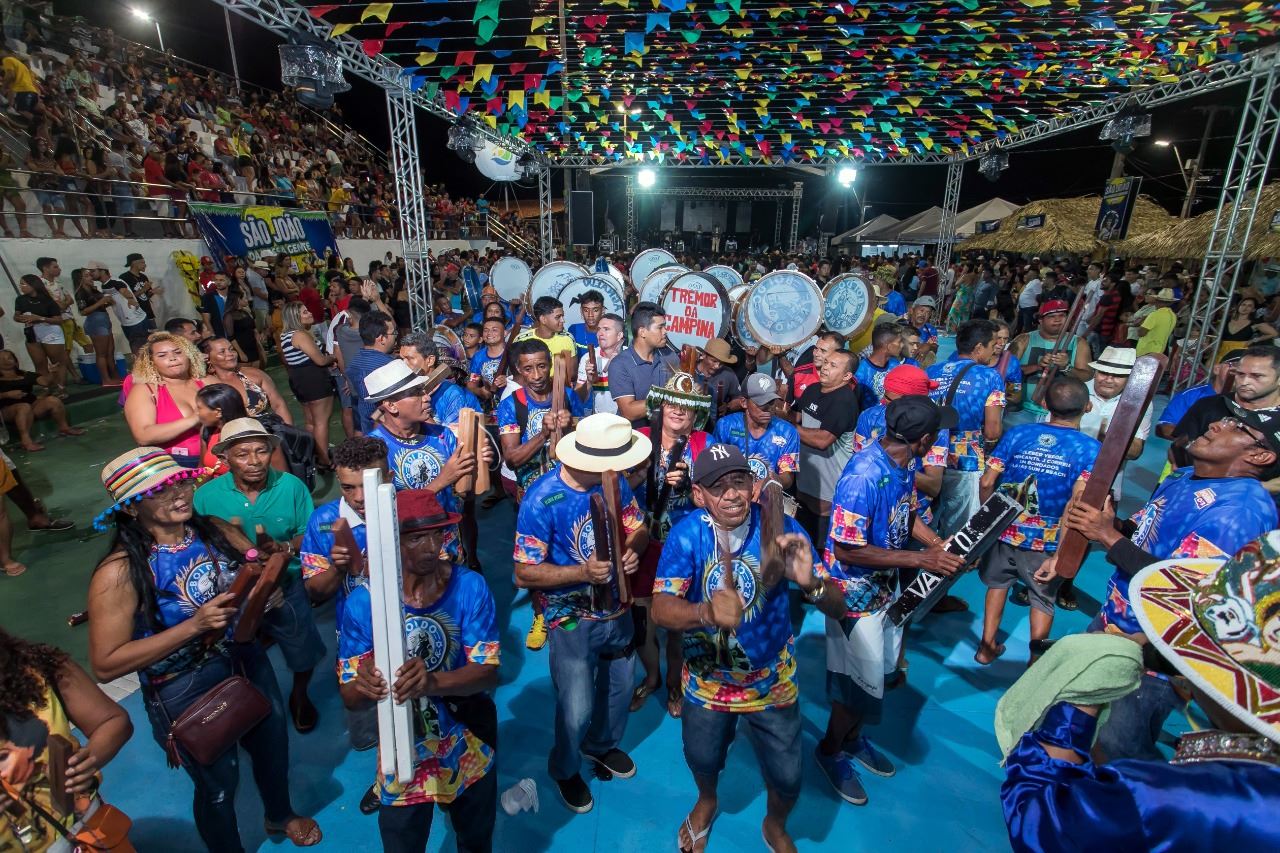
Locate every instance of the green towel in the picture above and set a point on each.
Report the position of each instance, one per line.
(1085, 669)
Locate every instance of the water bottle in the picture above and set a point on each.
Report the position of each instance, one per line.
(520, 797)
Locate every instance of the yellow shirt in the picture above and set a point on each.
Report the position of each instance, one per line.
(559, 342)
(18, 75)
(1159, 325)
(863, 340)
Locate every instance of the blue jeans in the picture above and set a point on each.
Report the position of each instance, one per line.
(293, 627)
(593, 670)
(774, 734)
(1135, 722)
(405, 829)
(267, 743)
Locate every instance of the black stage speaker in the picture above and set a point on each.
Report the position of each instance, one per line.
(582, 218)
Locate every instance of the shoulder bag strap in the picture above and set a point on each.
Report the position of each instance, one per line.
(955, 383)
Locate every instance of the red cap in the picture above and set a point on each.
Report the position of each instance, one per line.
(206, 260)
(1054, 306)
(420, 509)
(907, 380)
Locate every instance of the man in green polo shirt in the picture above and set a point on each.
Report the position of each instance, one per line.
(253, 494)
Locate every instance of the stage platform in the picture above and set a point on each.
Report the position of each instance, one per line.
(937, 728)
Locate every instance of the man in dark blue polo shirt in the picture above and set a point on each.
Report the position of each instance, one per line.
(378, 334)
(649, 361)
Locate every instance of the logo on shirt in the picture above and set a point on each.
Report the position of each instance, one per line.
(759, 467)
(432, 637)
(418, 466)
(744, 578)
(1204, 497)
(1046, 440)
(199, 581)
(553, 499)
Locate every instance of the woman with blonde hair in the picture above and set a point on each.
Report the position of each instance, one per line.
(161, 406)
(309, 379)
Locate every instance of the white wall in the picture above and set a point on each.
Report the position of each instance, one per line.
(172, 298)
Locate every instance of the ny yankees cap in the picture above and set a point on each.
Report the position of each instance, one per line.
(716, 461)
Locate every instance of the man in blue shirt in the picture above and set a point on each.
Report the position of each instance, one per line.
(1209, 510)
(591, 659)
(378, 336)
(976, 392)
(1042, 466)
(648, 362)
(584, 334)
(739, 652)
(886, 346)
(770, 442)
(872, 519)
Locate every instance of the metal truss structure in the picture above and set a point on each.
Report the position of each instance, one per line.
(407, 174)
(950, 205)
(795, 192)
(288, 20)
(1237, 208)
(546, 232)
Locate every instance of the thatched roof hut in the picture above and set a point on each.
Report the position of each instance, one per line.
(1068, 227)
(1189, 238)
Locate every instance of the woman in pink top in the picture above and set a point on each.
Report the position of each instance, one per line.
(161, 406)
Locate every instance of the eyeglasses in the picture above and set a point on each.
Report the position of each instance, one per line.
(1240, 425)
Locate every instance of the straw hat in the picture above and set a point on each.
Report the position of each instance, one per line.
(136, 474)
(603, 442)
(1164, 294)
(243, 429)
(718, 349)
(1218, 622)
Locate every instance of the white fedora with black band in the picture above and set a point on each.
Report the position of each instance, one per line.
(603, 442)
(1117, 360)
(391, 380)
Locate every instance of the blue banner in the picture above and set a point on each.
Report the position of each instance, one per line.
(258, 232)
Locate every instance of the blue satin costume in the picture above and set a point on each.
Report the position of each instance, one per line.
(1130, 805)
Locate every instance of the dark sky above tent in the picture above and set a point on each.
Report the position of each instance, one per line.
(1071, 164)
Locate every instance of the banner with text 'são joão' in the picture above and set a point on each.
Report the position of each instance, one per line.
(258, 232)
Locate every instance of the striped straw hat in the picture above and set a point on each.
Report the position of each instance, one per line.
(137, 474)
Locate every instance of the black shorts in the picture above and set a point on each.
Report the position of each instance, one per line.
(310, 382)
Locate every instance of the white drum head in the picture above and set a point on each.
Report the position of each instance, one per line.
(783, 309)
(646, 262)
(697, 308)
(726, 275)
(551, 278)
(848, 304)
(650, 290)
(510, 277)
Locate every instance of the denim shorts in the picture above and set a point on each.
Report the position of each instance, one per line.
(97, 324)
(774, 734)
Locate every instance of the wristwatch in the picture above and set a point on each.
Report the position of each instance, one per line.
(813, 596)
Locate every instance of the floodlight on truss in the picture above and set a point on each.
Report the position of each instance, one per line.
(464, 140)
(846, 175)
(314, 72)
(991, 165)
(646, 178)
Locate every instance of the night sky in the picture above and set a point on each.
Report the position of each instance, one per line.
(1071, 164)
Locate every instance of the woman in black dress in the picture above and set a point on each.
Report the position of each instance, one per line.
(19, 406)
(238, 323)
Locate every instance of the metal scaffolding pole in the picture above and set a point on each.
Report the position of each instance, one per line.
(631, 214)
(777, 225)
(546, 236)
(1224, 259)
(407, 174)
(950, 204)
(797, 193)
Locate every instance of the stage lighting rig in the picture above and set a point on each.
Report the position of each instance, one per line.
(991, 165)
(314, 72)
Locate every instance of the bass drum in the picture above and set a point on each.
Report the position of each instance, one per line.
(737, 294)
(726, 275)
(783, 309)
(740, 331)
(646, 262)
(848, 304)
(608, 287)
(697, 308)
(510, 277)
(651, 289)
(551, 278)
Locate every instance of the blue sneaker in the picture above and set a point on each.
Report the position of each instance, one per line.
(870, 757)
(843, 776)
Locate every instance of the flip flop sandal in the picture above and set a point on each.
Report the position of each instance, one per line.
(675, 702)
(305, 716)
(640, 695)
(694, 837)
(56, 524)
(11, 573)
(307, 834)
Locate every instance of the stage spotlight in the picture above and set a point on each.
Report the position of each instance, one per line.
(646, 178)
(1122, 130)
(991, 165)
(314, 72)
(846, 175)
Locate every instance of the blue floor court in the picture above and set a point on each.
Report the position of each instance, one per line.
(937, 729)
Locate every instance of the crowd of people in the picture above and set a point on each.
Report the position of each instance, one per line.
(116, 135)
(880, 448)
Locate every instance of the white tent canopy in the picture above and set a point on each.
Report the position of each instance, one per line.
(967, 220)
(882, 221)
(925, 227)
(900, 232)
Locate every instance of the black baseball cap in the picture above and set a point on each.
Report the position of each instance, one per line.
(1265, 421)
(716, 461)
(913, 417)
